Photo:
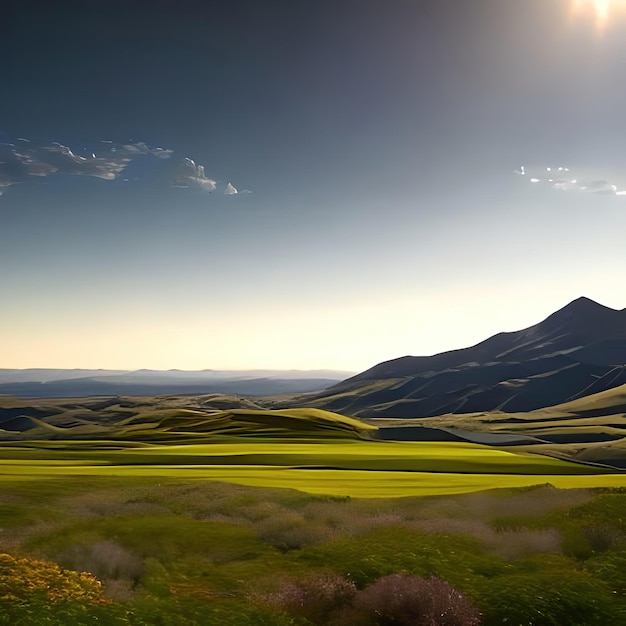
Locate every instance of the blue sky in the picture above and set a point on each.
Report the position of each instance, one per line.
(374, 147)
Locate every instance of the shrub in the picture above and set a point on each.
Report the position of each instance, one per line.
(105, 559)
(398, 599)
(21, 579)
(412, 601)
(317, 598)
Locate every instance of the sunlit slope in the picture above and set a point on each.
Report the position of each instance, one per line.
(591, 429)
(158, 422)
(611, 401)
(604, 407)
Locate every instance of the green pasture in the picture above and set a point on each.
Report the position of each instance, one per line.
(352, 483)
(353, 468)
(312, 450)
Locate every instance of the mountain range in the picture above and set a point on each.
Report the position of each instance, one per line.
(58, 383)
(577, 351)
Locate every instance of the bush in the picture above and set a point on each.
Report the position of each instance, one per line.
(39, 592)
(105, 559)
(22, 579)
(398, 599)
(412, 601)
(317, 598)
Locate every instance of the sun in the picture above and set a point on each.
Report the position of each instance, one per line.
(603, 10)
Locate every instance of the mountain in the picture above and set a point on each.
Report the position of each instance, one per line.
(576, 351)
(53, 383)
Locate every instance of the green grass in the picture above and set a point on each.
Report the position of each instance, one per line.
(192, 516)
(311, 450)
(344, 468)
(179, 551)
(355, 483)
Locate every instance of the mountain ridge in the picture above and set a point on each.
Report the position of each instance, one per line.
(577, 350)
(567, 319)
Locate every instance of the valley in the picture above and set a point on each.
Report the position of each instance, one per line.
(218, 508)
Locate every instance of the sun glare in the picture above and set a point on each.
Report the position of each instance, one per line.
(603, 10)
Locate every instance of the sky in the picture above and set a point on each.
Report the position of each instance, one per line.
(239, 184)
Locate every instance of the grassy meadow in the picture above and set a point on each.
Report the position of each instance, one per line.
(178, 551)
(328, 467)
(169, 511)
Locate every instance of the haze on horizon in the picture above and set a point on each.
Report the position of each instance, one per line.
(231, 185)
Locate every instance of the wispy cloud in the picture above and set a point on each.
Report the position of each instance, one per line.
(22, 160)
(139, 147)
(563, 179)
(191, 175)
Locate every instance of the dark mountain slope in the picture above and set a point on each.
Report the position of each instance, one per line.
(600, 332)
(577, 351)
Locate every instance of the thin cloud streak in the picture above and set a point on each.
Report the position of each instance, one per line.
(562, 179)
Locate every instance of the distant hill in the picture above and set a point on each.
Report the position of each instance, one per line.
(165, 419)
(589, 429)
(577, 351)
(59, 383)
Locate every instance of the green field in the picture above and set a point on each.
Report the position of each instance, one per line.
(185, 515)
(311, 450)
(181, 552)
(340, 468)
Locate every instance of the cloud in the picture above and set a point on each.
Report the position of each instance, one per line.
(562, 179)
(20, 163)
(24, 161)
(64, 161)
(191, 175)
(139, 148)
(599, 186)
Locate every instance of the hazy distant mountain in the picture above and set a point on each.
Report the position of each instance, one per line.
(53, 383)
(579, 350)
(44, 375)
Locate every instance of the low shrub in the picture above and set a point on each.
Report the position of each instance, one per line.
(21, 579)
(317, 598)
(398, 599)
(403, 600)
(105, 559)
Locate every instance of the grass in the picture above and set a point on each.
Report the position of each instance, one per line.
(180, 551)
(343, 467)
(189, 515)
(311, 450)
(577, 425)
(352, 483)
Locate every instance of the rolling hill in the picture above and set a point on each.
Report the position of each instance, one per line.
(304, 448)
(590, 429)
(165, 420)
(575, 352)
